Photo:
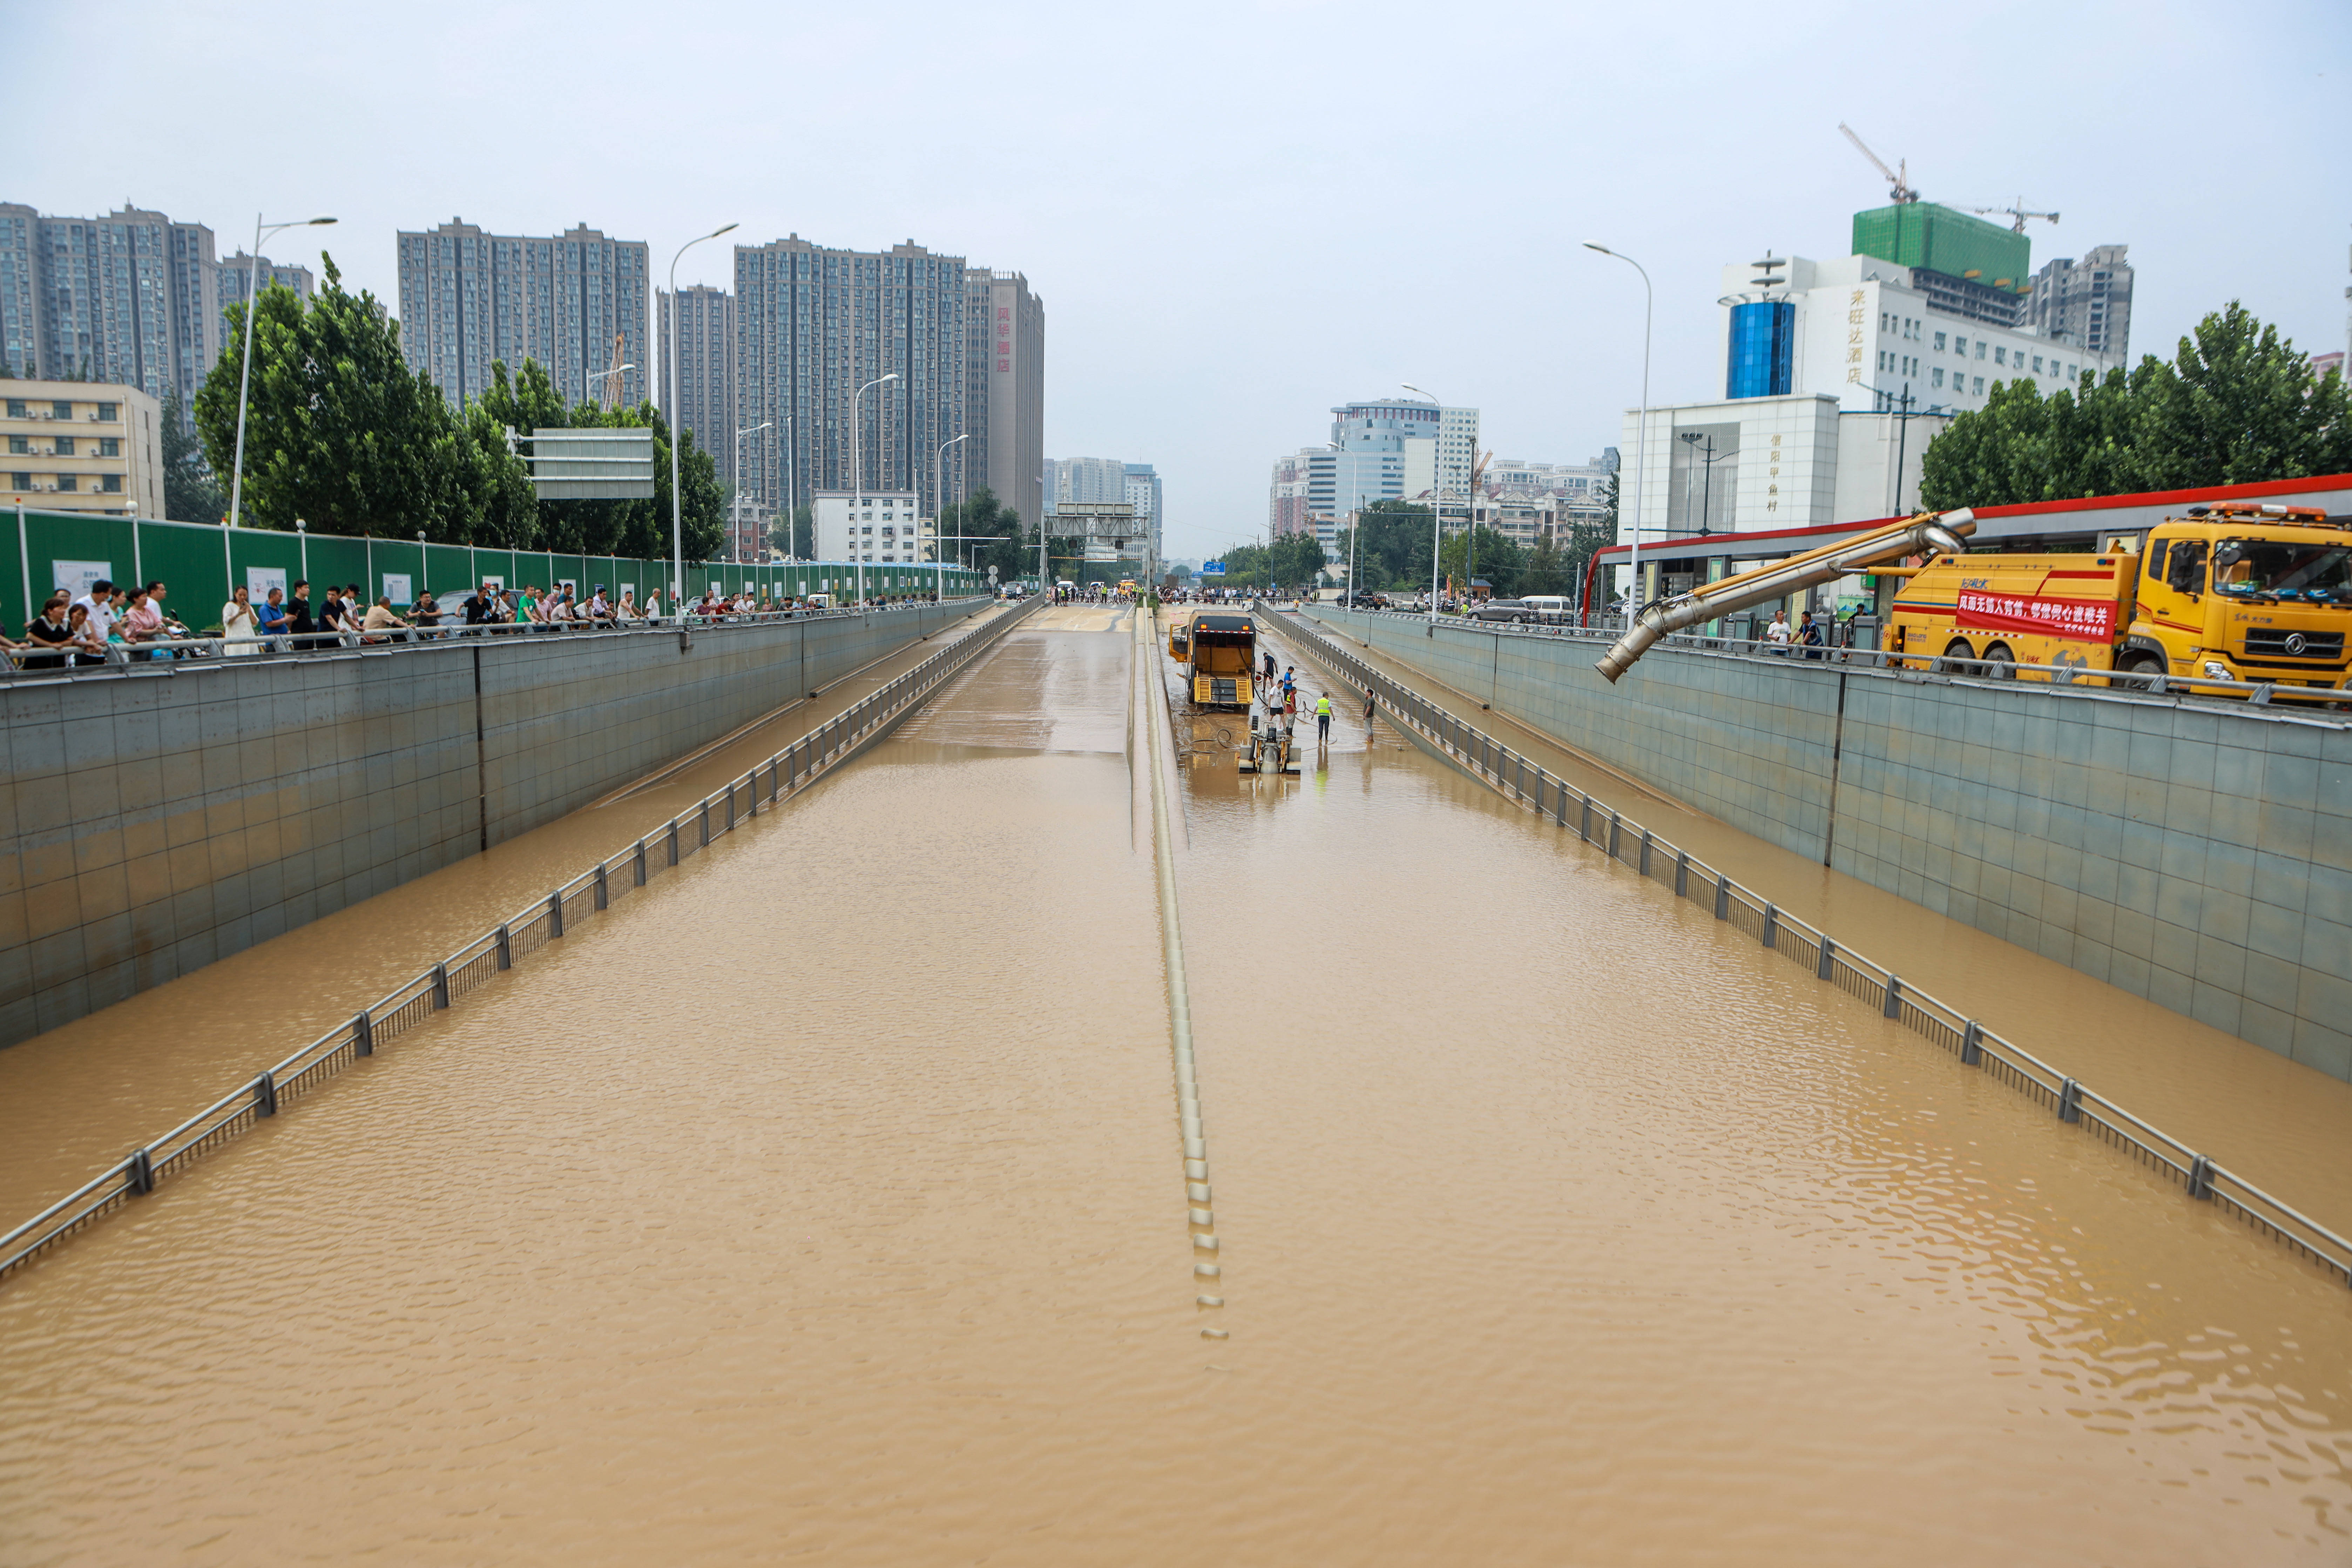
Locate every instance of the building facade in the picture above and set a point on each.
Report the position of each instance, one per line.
(704, 400)
(1005, 388)
(127, 300)
(1082, 482)
(576, 302)
(872, 527)
(2087, 303)
(1141, 490)
(73, 446)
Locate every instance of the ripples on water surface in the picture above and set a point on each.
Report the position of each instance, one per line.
(826, 1202)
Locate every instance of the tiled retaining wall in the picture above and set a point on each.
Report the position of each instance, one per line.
(155, 821)
(2201, 858)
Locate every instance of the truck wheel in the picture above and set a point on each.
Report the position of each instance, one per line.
(1959, 651)
(2000, 663)
(2142, 663)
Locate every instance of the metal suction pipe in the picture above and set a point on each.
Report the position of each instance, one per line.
(1929, 532)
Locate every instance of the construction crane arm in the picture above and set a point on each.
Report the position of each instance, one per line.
(1900, 181)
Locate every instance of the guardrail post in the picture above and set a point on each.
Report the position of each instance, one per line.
(1972, 1046)
(774, 769)
(731, 808)
(141, 1170)
(1723, 895)
(603, 894)
(555, 913)
(1682, 873)
(1615, 823)
(673, 840)
(2200, 1177)
(2070, 1101)
(1584, 820)
(1893, 997)
(1771, 937)
(1829, 960)
(1645, 851)
(1560, 804)
(639, 859)
(704, 817)
(362, 1035)
(265, 1096)
(440, 985)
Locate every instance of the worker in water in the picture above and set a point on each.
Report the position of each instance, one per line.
(1367, 708)
(1270, 670)
(1323, 720)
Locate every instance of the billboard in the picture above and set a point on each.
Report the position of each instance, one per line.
(592, 464)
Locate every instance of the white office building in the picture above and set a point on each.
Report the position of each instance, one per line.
(879, 527)
(1838, 375)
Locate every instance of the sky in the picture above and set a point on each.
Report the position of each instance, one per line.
(1240, 214)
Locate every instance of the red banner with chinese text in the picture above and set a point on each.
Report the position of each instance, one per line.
(2087, 620)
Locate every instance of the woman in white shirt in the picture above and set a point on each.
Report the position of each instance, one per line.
(240, 625)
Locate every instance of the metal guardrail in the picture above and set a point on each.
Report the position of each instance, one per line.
(166, 655)
(543, 921)
(1654, 857)
(1916, 666)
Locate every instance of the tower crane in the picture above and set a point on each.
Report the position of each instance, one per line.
(2016, 212)
(1899, 176)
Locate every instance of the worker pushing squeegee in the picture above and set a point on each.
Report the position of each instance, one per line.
(1930, 533)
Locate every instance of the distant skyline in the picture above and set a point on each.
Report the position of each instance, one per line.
(1222, 256)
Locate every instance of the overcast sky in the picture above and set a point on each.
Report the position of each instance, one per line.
(1239, 214)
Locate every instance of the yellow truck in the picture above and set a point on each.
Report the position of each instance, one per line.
(2230, 591)
(1219, 654)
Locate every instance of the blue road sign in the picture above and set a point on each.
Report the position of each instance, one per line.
(1212, 568)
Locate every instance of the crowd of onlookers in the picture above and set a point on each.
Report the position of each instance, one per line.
(114, 625)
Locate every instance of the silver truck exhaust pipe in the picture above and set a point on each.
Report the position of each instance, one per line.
(1936, 533)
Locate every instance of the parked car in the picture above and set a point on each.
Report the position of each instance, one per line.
(1365, 599)
(1502, 610)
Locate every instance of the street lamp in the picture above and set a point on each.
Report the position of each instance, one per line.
(677, 523)
(1436, 500)
(1641, 443)
(791, 512)
(857, 471)
(609, 377)
(735, 523)
(245, 378)
(939, 510)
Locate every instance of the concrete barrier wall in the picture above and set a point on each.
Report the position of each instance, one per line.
(2201, 858)
(157, 820)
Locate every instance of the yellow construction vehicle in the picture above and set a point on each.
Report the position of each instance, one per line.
(1218, 653)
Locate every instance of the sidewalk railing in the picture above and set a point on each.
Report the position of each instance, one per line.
(544, 920)
(1833, 963)
(168, 655)
(1916, 666)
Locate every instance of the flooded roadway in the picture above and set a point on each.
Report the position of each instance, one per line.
(828, 1202)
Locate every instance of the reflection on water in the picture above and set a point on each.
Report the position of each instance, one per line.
(826, 1202)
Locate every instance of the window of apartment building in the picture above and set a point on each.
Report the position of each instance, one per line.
(1980, 348)
(20, 446)
(65, 446)
(109, 447)
(2037, 364)
(20, 481)
(16, 409)
(1960, 347)
(61, 409)
(1937, 378)
(1979, 388)
(2000, 355)
(68, 482)
(108, 412)
(110, 483)
(1939, 342)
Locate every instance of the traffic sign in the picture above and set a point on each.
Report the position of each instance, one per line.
(1212, 568)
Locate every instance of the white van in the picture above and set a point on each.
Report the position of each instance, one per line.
(1550, 608)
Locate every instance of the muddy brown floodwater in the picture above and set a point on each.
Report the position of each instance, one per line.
(828, 1204)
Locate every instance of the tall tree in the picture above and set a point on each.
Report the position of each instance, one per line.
(191, 493)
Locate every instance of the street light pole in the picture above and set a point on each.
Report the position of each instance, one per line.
(792, 510)
(606, 377)
(244, 377)
(857, 473)
(938, 509)
(1642, 443)
(677, 514)
(735, 521)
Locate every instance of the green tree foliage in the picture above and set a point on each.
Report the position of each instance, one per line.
(2236, 403)
(529, 401)
(191, 493)
(1395, 547)
(796, 535)
(1484, 552)
(999, 539)
(1290, 561)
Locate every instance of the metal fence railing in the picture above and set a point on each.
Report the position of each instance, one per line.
(1916, 666)
(545, 920)
(165, 656)
(1833, 963)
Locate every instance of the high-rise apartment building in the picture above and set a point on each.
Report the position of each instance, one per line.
(1082, 481)
(1142, 492)
(576, 302)
(1004, 353)
(705, 400)
(2087, 303)
(125, 299)
(816, 328)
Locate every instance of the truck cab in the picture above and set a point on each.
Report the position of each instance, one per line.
(2240, 592)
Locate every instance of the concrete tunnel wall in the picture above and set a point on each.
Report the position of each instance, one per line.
(157, 820)
(2197, 856)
